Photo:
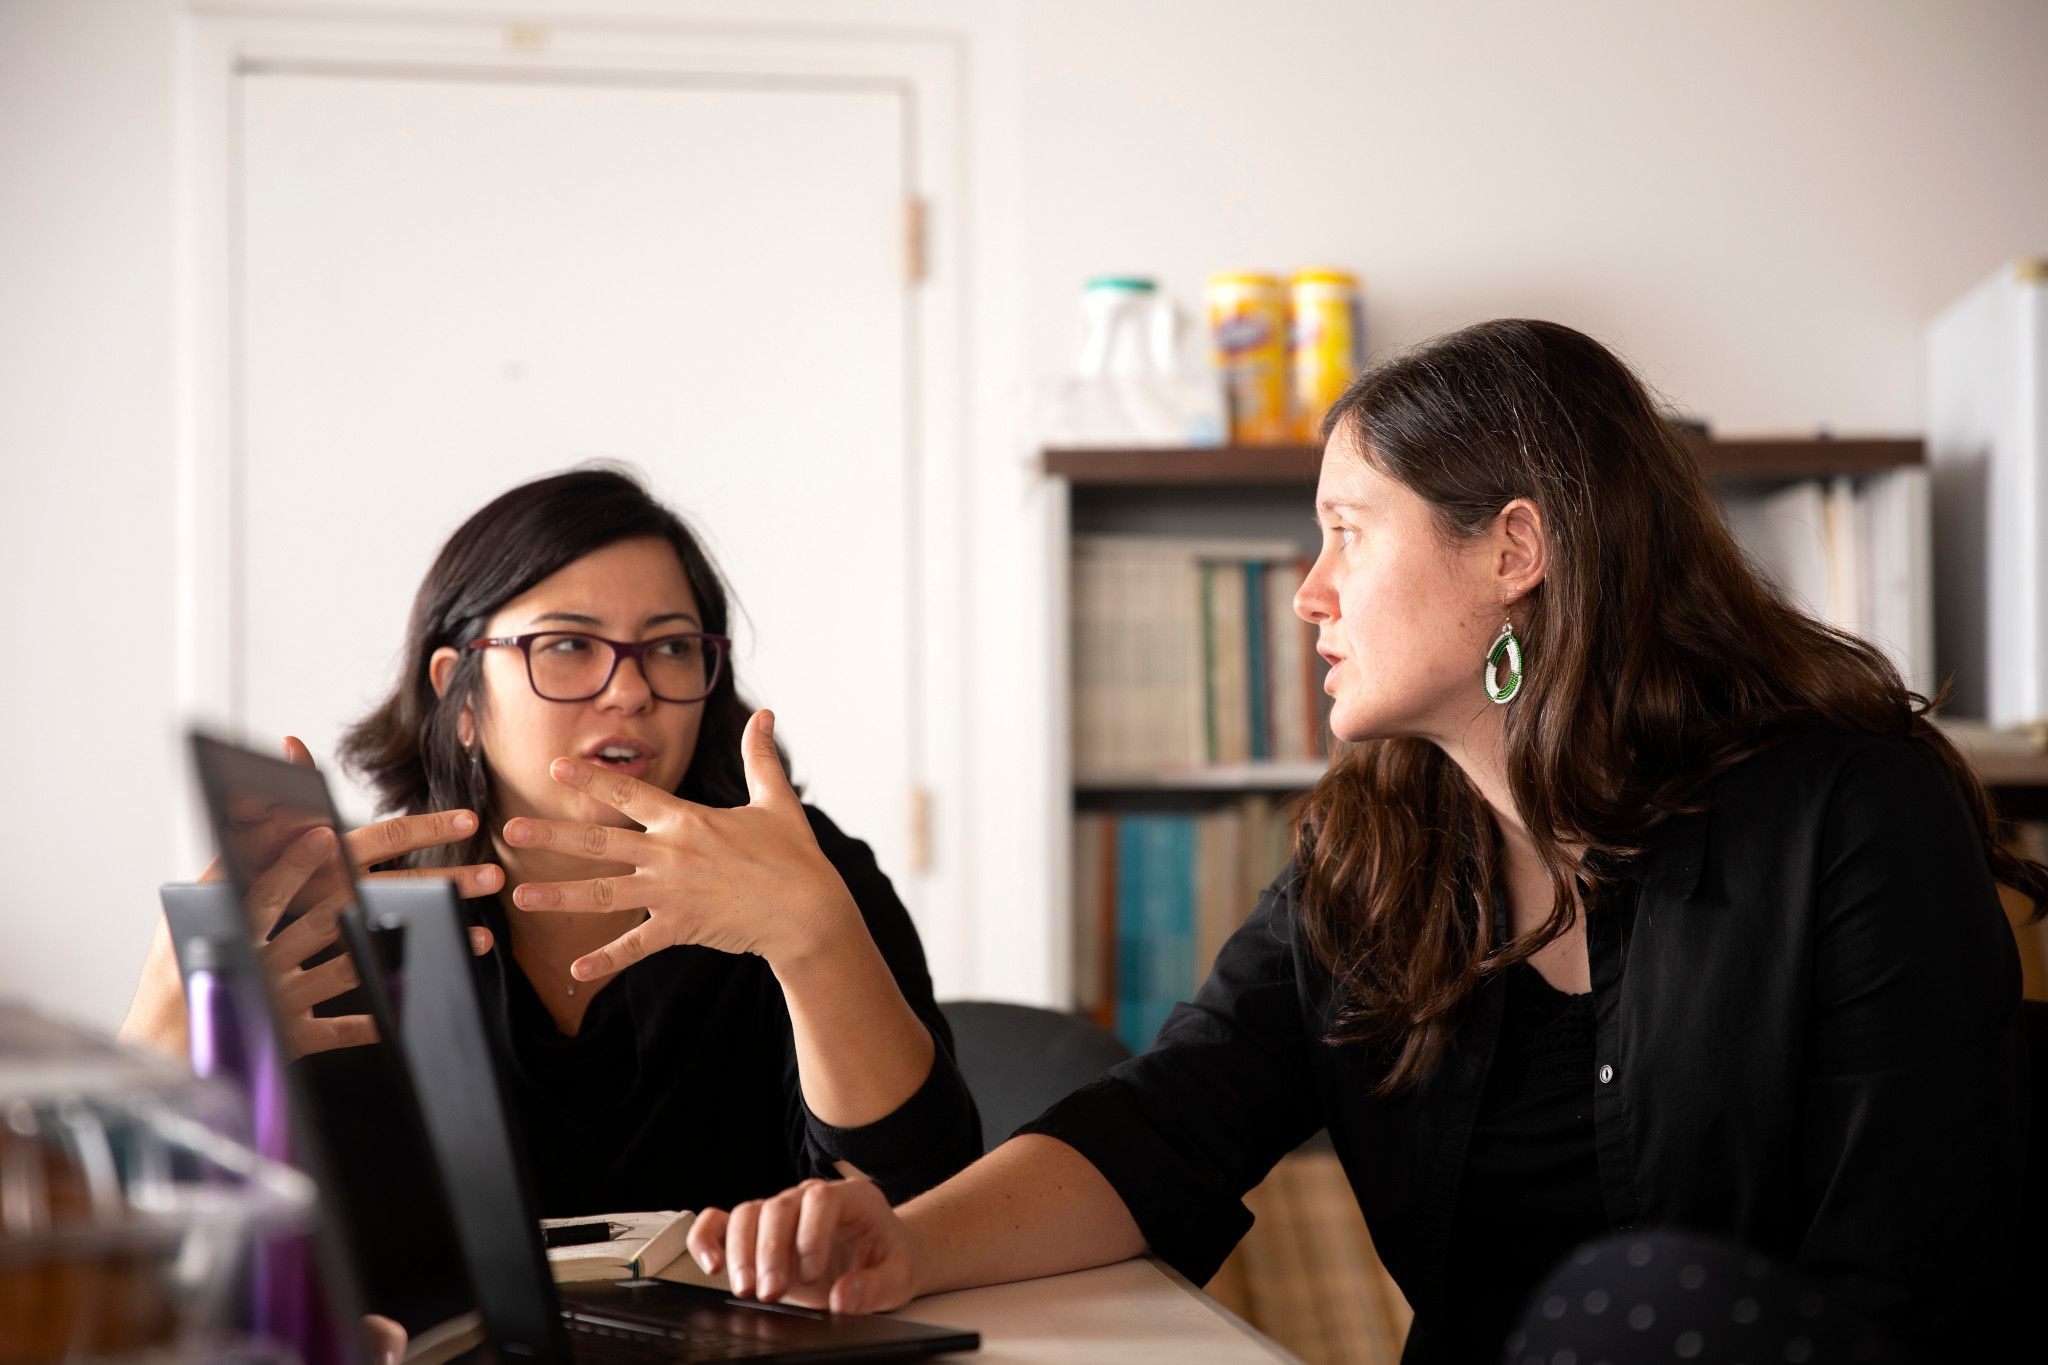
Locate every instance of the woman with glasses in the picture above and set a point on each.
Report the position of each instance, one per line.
(669, 932)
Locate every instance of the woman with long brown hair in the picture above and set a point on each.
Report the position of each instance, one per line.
(1635, 899)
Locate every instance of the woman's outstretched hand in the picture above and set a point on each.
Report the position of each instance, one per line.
(302, 880)
(751, 879)
(833, 1244)
(307, 864)
(381, 841)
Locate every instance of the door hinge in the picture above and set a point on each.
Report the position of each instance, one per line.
(920, 813)
(915, 261)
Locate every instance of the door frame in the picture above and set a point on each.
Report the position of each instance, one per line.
(925, 68)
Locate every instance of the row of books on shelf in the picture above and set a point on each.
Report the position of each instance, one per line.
(1155, 895)
(1856, 552)
(1187, 653)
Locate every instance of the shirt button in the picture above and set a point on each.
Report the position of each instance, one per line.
(1606, 1074)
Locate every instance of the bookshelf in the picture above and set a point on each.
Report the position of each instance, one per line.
(1236, 493)
(1292, 776)
(1745, 457)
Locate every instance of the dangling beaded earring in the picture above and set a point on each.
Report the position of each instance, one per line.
(1505, 646)
(472, 744)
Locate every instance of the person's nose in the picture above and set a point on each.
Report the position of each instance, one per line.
(628, 690)
(1315, 601)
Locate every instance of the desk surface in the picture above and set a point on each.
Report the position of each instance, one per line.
(1138, 1311)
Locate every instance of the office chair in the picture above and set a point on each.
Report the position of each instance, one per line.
(1018, 1059)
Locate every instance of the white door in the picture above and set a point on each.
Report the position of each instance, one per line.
(449, 284)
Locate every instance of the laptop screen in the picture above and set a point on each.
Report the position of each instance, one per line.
(422, 967)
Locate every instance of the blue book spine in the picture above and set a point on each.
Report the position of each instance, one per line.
(1177, 940)
(1133, 861)
(1255, 660)
(1155, 922)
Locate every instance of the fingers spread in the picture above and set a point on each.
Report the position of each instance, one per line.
(598, 894)
(309, 1035)
(627, 795)
(604, 843)
(383, 840)
(471, 879)
(767, 783)
(303, 937)
(621, 953)
(304, 989)
(270, 893)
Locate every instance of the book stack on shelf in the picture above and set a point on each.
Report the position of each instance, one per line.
(1854, 551)
(1155, 895)
(1188, 655)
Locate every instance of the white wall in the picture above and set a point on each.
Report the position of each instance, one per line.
(87, 648)
(1761, 204)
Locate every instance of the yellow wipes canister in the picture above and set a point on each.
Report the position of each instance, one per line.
(1329, 343)
(1248, 339)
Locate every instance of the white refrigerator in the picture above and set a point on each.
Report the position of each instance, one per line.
(1987, 441)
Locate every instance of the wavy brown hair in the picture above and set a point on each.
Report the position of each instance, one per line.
(1659, 657)
(409, 750)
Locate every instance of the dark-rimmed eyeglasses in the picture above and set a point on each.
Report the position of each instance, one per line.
(572, 665)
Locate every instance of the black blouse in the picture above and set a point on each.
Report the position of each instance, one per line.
(680, 1090)
(1807, 1040)
(1531, 1189)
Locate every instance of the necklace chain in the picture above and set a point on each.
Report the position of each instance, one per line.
(570, 987)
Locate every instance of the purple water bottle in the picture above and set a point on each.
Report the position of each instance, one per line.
(231, 1039)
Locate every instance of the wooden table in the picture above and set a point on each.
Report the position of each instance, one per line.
(1137, 1311)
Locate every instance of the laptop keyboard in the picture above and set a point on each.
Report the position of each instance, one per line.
(608, 1341)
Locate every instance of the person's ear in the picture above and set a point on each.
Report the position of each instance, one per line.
(440, 671)
(441, 667)
(1521, 550)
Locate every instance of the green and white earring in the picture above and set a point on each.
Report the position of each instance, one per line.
(1505, 647)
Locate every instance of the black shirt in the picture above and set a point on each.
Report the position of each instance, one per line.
(1806, 1001)
(1531, 1188)
(680, 1090)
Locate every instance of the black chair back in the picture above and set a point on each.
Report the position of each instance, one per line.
(1018, 1059)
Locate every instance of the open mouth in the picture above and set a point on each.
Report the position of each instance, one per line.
(1333, 662)
(621, 756)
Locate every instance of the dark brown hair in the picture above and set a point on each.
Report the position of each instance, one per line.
(1658, 658)
(409, 748)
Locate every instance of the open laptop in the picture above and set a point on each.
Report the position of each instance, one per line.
(412, 955)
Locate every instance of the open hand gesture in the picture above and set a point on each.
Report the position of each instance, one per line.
(747, 880)
(302, 880)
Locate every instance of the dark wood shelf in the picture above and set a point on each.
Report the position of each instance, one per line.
(1805, 457)
(1240, 466)
(2012, 763)
(1742, 457)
